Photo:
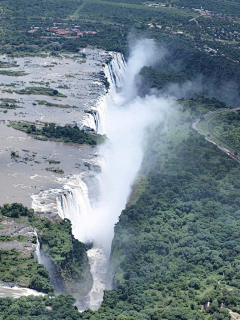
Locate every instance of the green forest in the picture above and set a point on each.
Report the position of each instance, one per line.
(176, 249)
(197, 45)
(175, 253)
(176, 245)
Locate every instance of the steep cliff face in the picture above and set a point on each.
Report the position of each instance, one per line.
(65, 258)
(87, 216)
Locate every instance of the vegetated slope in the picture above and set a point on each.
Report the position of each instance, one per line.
(176, 250)
(67, 256)
(38, 308)
(154, 78)
(17, 261)
(212, 76)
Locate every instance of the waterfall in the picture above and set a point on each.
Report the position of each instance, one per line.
(98, 262)
(114, 72)
(89, 121)
(124, 117)
(75, 204)
(42, 258)
(17, 292)
(78, 200)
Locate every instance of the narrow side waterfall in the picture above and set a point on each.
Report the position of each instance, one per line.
(124, 117)
(42, 258)
(17, 292)
(38, 248)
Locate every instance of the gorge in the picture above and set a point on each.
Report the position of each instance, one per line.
(119, 160)
(124, 118)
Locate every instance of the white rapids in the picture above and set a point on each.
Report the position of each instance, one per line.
(98, 262)
(17, 292)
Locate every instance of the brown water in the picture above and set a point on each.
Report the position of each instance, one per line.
(22, 177)
(84, 87)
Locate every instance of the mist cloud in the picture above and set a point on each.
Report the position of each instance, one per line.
(143, 53)
(127, 118)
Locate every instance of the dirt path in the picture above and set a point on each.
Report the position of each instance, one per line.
(75, 14)
(195, 19)
(234, 315)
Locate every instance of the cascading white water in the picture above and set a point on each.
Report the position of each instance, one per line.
(123, 117)
(42, 258)
(75, 203)
(114, 72)
(17, 292)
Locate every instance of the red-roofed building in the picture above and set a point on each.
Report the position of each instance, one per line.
(32, 31)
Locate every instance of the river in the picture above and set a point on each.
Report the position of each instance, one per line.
(93, 198)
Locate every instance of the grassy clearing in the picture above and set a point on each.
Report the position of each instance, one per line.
(202, 128)
(78, 10)
(173, 11)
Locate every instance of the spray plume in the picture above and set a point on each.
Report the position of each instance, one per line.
(125, 118)
(128, 117)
